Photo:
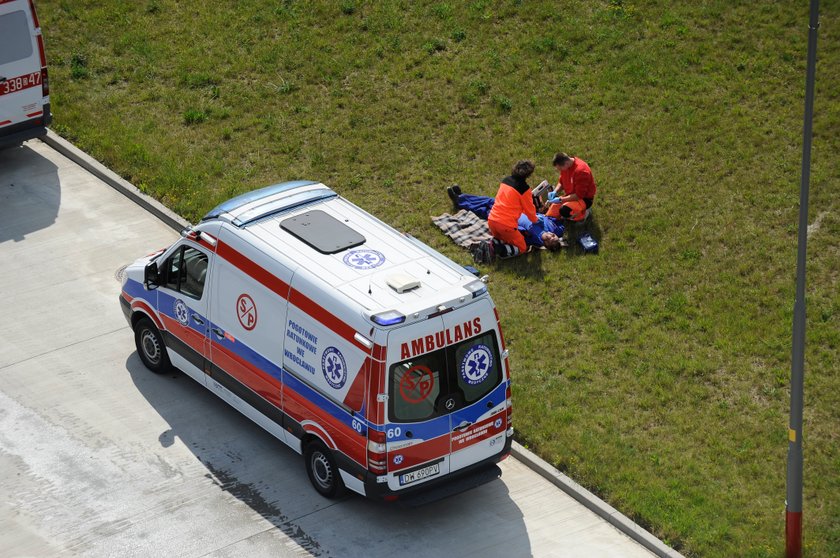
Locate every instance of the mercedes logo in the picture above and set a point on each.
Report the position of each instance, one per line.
(450, 404)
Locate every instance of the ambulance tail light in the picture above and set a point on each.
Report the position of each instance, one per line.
(477, 288)
(377, 459)
(391, 317)
(45, 83)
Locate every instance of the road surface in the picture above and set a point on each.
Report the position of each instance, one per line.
(99, 457)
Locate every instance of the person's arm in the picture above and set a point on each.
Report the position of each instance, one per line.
(528, 206)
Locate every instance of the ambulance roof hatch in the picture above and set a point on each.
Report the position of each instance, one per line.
(322, 231)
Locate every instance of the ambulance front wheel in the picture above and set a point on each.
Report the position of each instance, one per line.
(150, 346)
(322, 470)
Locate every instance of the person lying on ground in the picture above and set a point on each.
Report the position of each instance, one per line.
(544, 232)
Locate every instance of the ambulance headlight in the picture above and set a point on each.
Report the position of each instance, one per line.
(391, 317)
(477, 288)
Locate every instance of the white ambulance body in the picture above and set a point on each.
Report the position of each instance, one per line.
(373, 355)
(24, 87)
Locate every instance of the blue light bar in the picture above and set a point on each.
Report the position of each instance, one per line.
(477, 288)
(391, 317)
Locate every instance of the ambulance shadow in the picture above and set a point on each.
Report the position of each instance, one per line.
(484, 521)
(30, 193)
(269, 477)
(240, 457)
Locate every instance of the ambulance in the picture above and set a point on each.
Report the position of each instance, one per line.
(378, 359)
(24, 86)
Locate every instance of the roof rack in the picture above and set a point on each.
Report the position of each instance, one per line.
(253, 206)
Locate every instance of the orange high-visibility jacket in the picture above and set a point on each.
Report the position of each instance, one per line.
(512, 200)
(577, 209)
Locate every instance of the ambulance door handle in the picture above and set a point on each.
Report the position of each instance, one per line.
(219, 333)
(462, 426)
(197, 320)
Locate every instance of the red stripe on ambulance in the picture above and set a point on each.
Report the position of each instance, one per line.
(272, 282)
(303, 410)
(355, 397)
(20, 83)
(252, 377)
(135, 304)
(188, 335)
(418, 453)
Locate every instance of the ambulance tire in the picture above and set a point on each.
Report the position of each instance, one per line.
(322, 470)
(150, 347)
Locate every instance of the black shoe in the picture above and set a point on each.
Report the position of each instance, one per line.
(453, 195)
(482, 252)
(457, 189)
(475, 252)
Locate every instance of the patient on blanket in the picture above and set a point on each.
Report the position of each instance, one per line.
(547, 232)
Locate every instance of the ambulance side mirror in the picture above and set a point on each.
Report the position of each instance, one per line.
(151, 276)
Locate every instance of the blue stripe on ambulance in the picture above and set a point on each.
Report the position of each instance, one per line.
(438, 426)
(135, 289)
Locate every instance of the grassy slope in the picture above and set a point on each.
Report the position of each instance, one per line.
(656, 373)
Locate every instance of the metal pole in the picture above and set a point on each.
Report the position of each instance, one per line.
(793, 511)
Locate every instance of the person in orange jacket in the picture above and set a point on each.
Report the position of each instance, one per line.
(513, 200)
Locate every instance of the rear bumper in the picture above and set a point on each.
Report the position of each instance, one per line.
(23, 131)
(462, 480)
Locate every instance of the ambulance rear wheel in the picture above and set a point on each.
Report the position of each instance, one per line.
(150, 347)
(322, 470)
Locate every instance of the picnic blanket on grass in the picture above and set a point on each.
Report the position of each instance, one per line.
(464, 228)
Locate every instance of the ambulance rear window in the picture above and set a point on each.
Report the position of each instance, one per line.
(464, 373)
(15, 37)
(322, 231)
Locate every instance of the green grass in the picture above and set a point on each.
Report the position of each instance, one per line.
(656, 374)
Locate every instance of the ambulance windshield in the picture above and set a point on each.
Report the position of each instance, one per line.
(463, 373)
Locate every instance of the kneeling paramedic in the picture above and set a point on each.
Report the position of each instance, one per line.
(513, 200)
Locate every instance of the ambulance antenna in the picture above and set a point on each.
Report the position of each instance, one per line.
(370, 290)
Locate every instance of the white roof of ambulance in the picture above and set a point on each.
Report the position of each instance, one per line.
(261, 213)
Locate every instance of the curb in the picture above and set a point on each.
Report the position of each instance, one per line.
(593, 503)
(113, 180)
(531, 460)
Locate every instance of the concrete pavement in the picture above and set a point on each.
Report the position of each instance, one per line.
(99, 457)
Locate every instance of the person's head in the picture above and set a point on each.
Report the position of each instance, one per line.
(522, 169)
(562, 161)
(551, 241)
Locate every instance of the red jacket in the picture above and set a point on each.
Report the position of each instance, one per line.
(512, 200)
(578, 179)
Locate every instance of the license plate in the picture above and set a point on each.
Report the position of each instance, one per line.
(420, 474)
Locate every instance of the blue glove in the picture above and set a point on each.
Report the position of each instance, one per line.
(554, 198)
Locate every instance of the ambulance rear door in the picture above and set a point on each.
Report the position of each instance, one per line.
(417, 428)
(477, 386)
